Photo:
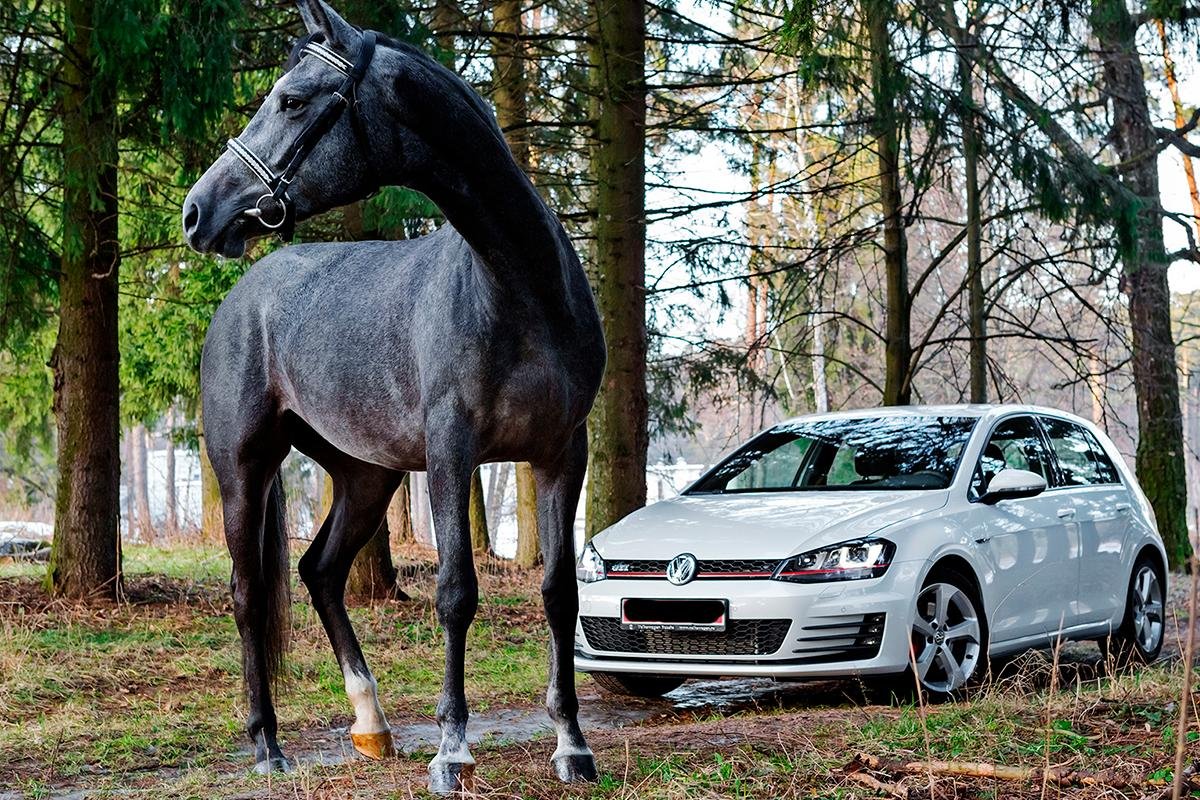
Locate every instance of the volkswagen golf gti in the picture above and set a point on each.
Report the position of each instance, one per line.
(879, 543)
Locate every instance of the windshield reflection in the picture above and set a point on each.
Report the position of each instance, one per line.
(866, 453)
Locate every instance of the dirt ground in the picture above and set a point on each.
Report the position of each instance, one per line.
(142, 699)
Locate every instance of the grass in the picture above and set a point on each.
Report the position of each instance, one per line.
(144, 697)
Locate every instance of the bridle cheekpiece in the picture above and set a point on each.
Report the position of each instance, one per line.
(275, 202)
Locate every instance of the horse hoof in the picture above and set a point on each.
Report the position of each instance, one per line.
(450, 777)
(274, 764)
(575, 767)
(374, 746)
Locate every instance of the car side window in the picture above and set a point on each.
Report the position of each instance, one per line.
(1081, 459)
(1015, 443)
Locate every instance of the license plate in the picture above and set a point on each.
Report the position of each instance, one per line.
(674, 615)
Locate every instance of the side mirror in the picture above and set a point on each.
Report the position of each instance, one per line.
(1010, 484)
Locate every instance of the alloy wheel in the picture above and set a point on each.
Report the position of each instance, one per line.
(946, 638)
(1147, 609)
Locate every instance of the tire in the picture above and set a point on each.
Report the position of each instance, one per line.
(949, 641)
(631, 684)
(1139, 640)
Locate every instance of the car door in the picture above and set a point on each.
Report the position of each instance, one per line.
(1087, 477)
(1030, 545)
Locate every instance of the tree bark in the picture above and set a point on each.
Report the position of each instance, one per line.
(618, 434)
(1160, 449)
(373, 574)
(1189, 169)
(212, 512)
(171, 523)
(510, 93)
(477, 515)
(141, 487)
(497, 488)
(85, 557)
(422, 522)
(897, 387)
(127, 471)
(399, 513)
(976, 300)
(528, 545)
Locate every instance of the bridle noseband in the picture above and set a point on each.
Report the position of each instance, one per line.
(276, 199)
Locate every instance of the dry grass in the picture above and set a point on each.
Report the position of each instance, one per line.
(141, 699)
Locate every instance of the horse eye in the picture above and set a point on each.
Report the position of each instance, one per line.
(293, 103)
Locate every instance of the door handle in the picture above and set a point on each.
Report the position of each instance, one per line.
(1066, 513)
(1122, 508)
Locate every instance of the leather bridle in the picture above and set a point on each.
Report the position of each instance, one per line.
(276, 197)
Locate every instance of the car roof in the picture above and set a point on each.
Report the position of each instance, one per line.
(972, 410)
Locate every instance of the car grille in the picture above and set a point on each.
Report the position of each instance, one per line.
(841, 638)
(741, 637)
(712, 568)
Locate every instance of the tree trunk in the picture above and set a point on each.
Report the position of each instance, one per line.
(528, 544)
(1189, 169)
(897, 389)
(1160, 451)
(141, 485)
(127, 471)
(477, 514)
(399, 513)
(373, 575)
(977, 312)
(618, 435)
(509, 93)
(85, 557)
(212, 512)
(171, 523)
(497, 489)
(422, 521)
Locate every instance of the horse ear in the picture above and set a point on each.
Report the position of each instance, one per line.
(320, 18)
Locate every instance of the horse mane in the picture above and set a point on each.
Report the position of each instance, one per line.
(462, 89)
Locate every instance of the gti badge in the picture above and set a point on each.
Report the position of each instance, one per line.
(681, 569)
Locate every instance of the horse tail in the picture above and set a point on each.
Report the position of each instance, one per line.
(276, 572)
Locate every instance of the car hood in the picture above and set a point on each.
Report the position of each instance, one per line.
(759, 525)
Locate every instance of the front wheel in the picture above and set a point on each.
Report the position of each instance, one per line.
(1139, 640)
(632, 684)
(948, 636)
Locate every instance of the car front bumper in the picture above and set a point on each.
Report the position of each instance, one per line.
(830, 628)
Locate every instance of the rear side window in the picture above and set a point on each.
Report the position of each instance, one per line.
(1081, 459)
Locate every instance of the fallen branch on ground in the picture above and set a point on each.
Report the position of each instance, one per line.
(1060, 776)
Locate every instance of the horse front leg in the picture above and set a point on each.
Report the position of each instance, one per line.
(450, 464)
(558, 488)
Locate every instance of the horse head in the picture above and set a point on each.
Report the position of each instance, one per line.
(306, 150)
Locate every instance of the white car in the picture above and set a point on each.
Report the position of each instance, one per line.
(877, 542)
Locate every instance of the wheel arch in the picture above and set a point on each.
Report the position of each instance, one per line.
(959, 565)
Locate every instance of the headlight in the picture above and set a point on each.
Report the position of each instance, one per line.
(590, 567)
(848, 561)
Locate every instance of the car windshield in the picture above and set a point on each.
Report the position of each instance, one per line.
(872, 453)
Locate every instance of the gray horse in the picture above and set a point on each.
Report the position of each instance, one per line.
(480, 342)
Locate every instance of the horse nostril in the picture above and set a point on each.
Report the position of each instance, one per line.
(191, 216)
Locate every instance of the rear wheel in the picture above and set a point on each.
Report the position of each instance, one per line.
(632, 684)
(1139, 640)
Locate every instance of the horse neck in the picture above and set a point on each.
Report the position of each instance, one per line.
(471, 175)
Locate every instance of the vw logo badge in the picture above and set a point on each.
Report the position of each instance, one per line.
(682, 569)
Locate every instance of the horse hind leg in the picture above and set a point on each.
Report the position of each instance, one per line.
(558, 488)
(360, 498)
